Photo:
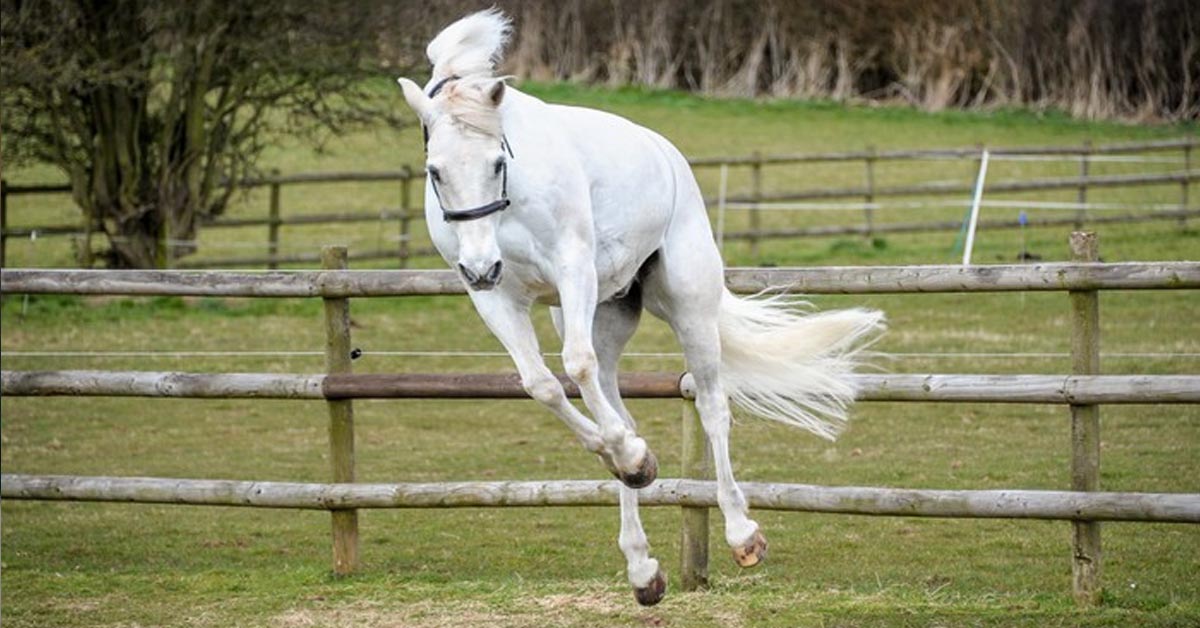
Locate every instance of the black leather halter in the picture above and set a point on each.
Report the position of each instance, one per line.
(473, 213)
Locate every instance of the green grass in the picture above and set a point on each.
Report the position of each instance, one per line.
(132, 565)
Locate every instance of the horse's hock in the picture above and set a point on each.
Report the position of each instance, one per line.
(1082, 390)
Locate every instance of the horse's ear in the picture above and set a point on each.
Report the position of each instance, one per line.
(420, 103)
(496, 92)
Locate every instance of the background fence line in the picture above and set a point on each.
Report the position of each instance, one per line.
(870, 191)
(1083, 391)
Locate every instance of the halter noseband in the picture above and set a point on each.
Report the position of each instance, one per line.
(474, 213)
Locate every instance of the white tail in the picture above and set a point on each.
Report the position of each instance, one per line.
(473, 45)
(782, 361)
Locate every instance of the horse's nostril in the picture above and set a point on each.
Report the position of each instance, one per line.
(493, 274)
(467, 274)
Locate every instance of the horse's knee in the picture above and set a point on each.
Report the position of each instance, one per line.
(580, 363)
(544, 389)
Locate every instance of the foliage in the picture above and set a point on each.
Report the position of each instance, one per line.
(153, 109)
(1095, 58)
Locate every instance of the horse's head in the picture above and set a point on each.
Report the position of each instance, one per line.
(466, 167)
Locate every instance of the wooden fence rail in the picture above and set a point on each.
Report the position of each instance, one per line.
(814, 280)
(953, 225)
(1083, 391)
(407, 211)
(993, 504)
(956, 388)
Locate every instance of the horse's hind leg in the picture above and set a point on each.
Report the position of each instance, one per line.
(685, 288)
(614, 325)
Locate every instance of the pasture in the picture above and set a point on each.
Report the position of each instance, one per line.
(121, 565)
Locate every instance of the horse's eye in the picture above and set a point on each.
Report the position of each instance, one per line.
(499, 165)
(434, 174)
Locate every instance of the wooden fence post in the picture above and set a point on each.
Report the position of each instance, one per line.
(1183, 185)
(1081, 197)
(341, 416)
(3, 222)
(696, 464)
(756, 196)
(869, 211)
(273, 224)
(1085, 426)
(405, 215)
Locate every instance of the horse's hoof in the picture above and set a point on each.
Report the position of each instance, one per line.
(752, 552)
(645, 475)
(652, 593)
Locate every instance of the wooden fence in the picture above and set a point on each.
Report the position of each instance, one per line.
(410, 208)
(1082, 391)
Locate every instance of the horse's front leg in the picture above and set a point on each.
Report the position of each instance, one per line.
(615, 322)
(507, 316)
(632, 461)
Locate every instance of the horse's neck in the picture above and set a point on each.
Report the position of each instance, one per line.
(519, 115)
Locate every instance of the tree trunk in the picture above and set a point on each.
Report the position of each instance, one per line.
(134, 240)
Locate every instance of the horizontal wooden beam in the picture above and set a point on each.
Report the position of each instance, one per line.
(1066, 389)
(316, 219)
(298, 258)
(814, 280)
(953, 225)
(956, 278)
(331, 284)
(482, 386)
(1001, 504)
(945, 188)
(160, 384)
(944, 153)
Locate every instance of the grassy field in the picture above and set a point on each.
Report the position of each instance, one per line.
(130, 565)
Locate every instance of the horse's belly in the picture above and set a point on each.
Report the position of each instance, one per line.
(620, 253)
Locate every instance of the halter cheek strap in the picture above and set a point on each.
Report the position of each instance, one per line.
(474, 213)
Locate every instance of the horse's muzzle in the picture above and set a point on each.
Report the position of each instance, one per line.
(482, 281)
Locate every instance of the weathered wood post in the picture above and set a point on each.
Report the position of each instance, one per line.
(696, 463)
(341, 416)
(1183, 185)
(405, 215)
(756, 198)
(868, 210)
(273, 223)
(1081, 196)
(1085, 426)
(3, 222)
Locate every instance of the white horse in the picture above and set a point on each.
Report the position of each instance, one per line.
(598, 218)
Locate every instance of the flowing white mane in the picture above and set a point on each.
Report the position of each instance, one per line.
(470, 49)
(471, 46)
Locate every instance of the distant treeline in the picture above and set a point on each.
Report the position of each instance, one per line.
(1129, 59)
